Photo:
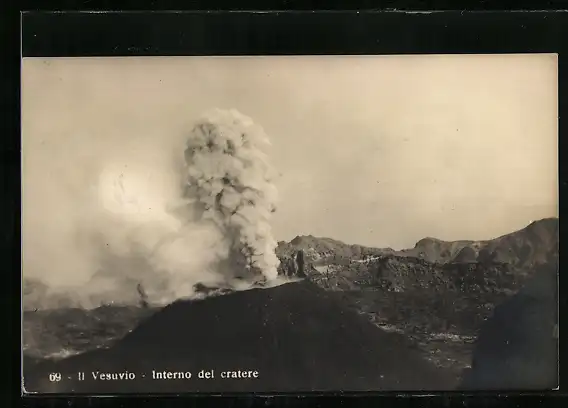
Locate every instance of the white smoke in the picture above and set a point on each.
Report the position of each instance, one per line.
(229, 177)
(142, 216)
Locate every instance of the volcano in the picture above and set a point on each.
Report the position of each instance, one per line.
(294, 337)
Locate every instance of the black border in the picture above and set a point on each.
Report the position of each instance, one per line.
(285, 33)
(486, 401)
(76, 34)
(283, 5)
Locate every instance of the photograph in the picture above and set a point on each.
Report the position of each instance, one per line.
(289, 224)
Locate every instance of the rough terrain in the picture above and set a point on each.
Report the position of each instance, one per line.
(435, 296)
(297, 336)
(517, 347)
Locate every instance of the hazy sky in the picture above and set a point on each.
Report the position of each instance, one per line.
(378, 151)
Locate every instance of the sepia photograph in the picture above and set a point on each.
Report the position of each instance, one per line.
(286, 224)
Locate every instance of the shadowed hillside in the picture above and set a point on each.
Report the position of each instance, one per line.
(439, 293)
(528, 246)
(531, 245)
(437, 307)
(452, 294)
(322, 251)
(297, 336)
(517, 347)
(350, 266)
(62, 332)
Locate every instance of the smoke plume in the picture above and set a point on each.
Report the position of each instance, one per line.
(158, 217)
(231, 182)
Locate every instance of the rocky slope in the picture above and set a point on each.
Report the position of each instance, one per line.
(498, 266)
(352, 266)
(322, 251)
(517, 348)
(297, 336)
(535, 244)
(58, 333)
(438, 293)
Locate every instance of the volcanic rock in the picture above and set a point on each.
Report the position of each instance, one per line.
(297, 336)
(318, 250)
(300, 262)
(517, 347)
(529, 246)
(535, 244)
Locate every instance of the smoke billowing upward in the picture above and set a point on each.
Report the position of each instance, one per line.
(229, 177)
(152, 213)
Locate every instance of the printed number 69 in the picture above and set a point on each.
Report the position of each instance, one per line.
(54, 377)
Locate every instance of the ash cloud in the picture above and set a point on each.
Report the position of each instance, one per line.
(157, 213)
(231, 181)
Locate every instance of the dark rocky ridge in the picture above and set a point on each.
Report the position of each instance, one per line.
(499, 266)
(298, 336)
(517, 348)
(534, 244)
(419, 297)
(446, 293)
